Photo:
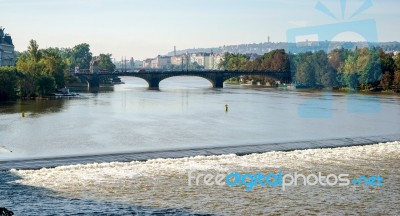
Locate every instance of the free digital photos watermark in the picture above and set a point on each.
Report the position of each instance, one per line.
(249, 181)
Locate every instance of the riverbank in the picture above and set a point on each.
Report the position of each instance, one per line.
(342, 90)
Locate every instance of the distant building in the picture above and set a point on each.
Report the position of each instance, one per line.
(216, 61)
(160, 62)
(147, 63)
(6, 49)
(138, 64)
(209, 61)
(178, 60)
(94, 64)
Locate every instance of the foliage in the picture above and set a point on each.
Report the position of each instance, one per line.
(80, 56)
(396, 79)
(44, 70)
(46, 84)
(55, 66)
(397, 62)
(105, 63)
(370, 69)
(8, 83)
(234, 61)
(41, 71)
(386, 81)
(354, 69)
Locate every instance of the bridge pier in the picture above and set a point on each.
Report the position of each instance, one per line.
(94, 82)
(154, 83)
(218, 82)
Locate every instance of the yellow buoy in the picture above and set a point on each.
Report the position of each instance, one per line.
(23, 115)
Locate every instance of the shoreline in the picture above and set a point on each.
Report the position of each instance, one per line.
(51, 162)
(392, 92)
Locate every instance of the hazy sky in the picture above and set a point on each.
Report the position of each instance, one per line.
(145, 28)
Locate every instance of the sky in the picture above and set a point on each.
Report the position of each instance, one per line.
(147, 28)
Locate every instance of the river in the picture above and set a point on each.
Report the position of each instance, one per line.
(186, 114)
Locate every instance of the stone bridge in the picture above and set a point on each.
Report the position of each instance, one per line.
(216, 78)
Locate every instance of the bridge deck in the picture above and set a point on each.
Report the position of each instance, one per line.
(217, 78)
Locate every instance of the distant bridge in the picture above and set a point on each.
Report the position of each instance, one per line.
(153, 78)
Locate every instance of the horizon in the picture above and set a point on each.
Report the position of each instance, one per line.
(145, 29)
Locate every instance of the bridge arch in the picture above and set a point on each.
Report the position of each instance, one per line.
(216, 78)
(200, 78)
(271, 76)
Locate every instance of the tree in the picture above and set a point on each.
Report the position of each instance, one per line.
(396, 79)
(30, 67)
(41, 70)
(350, 76)
(351, 80)
(81, 56)
(33, 50)
(105, 63)
(305, 69)
(386, 61)
(386, 81)
(54, 65)
(305, 72)
(8, 83)
(371, 71)
(276, 60)
(337, 57)
(397, 62)
(234, 61)
(46, 84)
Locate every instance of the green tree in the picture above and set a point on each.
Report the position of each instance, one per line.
(337, 57)
(33, 50)
(305, 74)
(351, 80)
(30, 67)
(81, 56)
(370, 71)
(8, 83)
(386, 61)
(234, 61)
(46, 84)
(105, 63)
(397, 62)
(386, 81)
(276, 60)
(396, 79)
(54, 65)
(350, 75)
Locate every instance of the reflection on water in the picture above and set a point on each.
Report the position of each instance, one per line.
(33, 107)
(187, 113)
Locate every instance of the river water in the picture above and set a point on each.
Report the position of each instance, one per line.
(187, 114)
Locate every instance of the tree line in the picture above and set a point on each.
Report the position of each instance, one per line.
(366, 68)
(39, 72)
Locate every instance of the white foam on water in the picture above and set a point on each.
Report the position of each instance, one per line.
(163, 183)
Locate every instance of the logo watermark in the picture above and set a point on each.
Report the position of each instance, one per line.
(250, 181)
(327, 38)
